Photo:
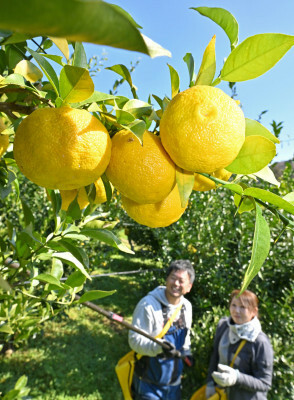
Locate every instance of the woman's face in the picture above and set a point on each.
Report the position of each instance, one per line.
(240, 313)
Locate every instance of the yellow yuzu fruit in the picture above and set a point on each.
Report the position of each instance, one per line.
(144, 174)
(100, 192)
(202, 129)
(4, 139)
(156, 215)
(62, 148)
(68, 196)
(203, 184)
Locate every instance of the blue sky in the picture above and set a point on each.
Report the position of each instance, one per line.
(176, 27)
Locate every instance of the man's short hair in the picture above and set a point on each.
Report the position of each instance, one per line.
(182, 265)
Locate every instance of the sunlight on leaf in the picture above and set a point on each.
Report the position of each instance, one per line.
(266, 174)
(28, 70)
(253, 127)
(95, 22)
(255, 56)
(62, 44)
(174, 80)
(75, 84)
(185, 182)
(255, 154)
(224, 19)
(94, 295)
(260, 248)
(270, 198)
(208, 65)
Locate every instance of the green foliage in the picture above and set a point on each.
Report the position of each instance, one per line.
(48, 255)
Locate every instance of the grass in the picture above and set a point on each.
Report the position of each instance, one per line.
(75, 357)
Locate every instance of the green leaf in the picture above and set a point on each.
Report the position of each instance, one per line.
(247, 204)
(137, 108)
(55, 199)
(48, 279)
(138, 128)
(234, 187)
(75, 84)
(76, 279)
(255, 56)
(94, 295)
(124, 117)
(189, 60)
(174, 80)
(267, 175)
(107, 237)
(13, 79)
(62, 44)
(185, 181)
(224, 19)
(94, 21)
(27, 213)
(76, 251)
(123, 71)
(254, 128)
(80, 57)
(70, 259)
(289, 197)
(4, 285)
(57, 268)
(21, 382)
(6, 329)
(260, 248)
(271, 198)
(47, 69)
(208, 65)
(255, 154)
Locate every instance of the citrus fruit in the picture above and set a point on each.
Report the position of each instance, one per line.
(143, 173)
(4, 139)
(203, 184)
(156, 215)
(62, 148)
(68, 196)
(202, 129)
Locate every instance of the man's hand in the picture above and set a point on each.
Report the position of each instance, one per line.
(225, 376)
(171, 351)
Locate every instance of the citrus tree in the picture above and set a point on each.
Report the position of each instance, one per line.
(81, 147)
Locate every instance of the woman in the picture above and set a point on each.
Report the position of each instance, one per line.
(250, 376)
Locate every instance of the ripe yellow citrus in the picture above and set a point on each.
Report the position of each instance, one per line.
(203, 184)
(144, 174)
(4, 139)
(62, 148)
(202, 129)
(68, 196)
(161, 214)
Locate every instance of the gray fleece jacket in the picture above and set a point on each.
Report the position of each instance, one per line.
(148, 316)
(254, 362)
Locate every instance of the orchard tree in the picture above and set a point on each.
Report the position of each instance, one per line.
(73, 142)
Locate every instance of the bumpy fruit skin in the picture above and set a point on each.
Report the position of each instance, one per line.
(62, 148)
(202, 129)
(158, 215)
(144, 174)
(203, 184)
(4, 139)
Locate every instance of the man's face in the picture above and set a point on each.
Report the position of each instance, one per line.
(177, 284)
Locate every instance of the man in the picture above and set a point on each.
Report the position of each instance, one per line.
(158, 373)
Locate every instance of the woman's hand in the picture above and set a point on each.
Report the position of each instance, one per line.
(225, 375)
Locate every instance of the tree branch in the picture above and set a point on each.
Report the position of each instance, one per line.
(8, 109)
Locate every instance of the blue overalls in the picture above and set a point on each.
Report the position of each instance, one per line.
(160, 377)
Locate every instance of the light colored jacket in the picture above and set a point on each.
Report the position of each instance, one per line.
(148, 317)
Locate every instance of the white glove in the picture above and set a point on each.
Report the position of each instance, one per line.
(209, 391)
(225, 376)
